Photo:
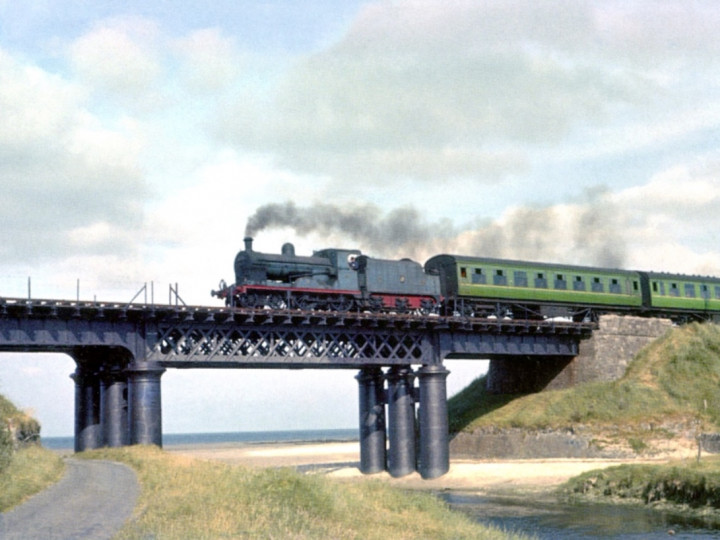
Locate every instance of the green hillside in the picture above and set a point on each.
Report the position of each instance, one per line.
(676, 380)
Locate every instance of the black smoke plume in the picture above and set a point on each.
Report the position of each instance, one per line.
(587, 233)
(402, 230)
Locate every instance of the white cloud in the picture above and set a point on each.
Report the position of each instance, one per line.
(209, 60)
(476, 90)
(36, 105)
(118, 57)
(61, 168)
(429, 91)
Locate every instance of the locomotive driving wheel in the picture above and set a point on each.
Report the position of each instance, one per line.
(246, 300)
(426, 307)
(276, 301)
(305, 302)
(340, 303)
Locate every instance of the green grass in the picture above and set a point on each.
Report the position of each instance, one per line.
(31, 470)
(676, 378)
(184, 498)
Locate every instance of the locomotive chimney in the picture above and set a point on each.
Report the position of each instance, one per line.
(248, 243)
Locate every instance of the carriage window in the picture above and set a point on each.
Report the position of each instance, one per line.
(579, 284)
(540, 281)
(717, 292)
(520, 278)
(655, 287)
(705, 292)
(463, 272)
(499, 278)
(674, 291)
(635, 285)
(597, 285)
(560, 282)
(689, 290)
(615, 286)
(478, 276)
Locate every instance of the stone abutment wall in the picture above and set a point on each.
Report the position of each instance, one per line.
(603, 357)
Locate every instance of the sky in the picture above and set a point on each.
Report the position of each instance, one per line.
(140, 141)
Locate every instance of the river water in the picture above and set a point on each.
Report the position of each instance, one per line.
(546, 518)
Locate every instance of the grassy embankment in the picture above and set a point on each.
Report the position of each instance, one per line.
(184, 498)
(187, 498)
(671, 388)
(673, 381)
(27, 469)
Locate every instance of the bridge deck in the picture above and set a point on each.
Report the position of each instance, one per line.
(204, 336)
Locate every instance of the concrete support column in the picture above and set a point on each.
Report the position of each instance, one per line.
(401, 421)
(115, 408)
(145, 411)
(88, 426)
(372, 420)
(433, 420)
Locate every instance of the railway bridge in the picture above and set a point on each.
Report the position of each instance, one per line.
(122, 350)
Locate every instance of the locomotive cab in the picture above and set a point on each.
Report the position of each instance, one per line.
(340, 259)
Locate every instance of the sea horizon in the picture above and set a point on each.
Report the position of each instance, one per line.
(232, 437)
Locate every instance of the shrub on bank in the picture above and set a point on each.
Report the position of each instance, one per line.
(685, 487)
(8, 411)
(6, 446)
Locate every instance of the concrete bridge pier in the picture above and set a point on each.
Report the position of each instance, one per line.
(372, 420)
(434, 459)
(144, 405)
(88, 426)
(401, 421)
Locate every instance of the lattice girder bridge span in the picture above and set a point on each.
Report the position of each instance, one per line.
(121, 352)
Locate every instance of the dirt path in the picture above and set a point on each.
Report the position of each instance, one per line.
(92, 501)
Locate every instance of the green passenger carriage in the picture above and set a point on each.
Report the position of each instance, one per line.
(482, 287)
(680, 293)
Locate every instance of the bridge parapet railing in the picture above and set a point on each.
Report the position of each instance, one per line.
(264, 316)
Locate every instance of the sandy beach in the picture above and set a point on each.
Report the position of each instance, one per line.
(341, 459)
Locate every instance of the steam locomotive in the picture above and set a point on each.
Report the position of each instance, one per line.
(329, 279)
(345, 280)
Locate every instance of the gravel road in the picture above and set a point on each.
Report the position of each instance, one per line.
(92, 501)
